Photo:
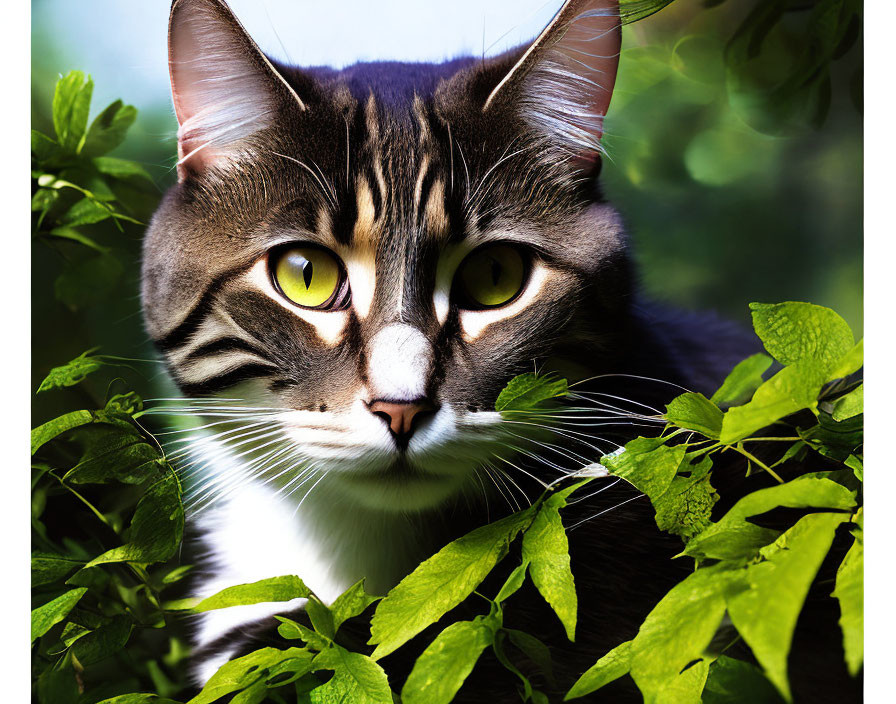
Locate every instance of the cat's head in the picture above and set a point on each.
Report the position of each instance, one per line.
(376, 251)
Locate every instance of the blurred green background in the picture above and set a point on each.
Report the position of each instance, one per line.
(734, 147)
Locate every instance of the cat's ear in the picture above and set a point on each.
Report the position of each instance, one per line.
(224, 88)
(563, 82)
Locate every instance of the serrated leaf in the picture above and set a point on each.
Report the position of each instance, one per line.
(850, 405)
(108, 129)
(795, 332)
(734, 537)
(241, 673)
(441, 583)
(685, 507)
(74, 372)
(71, 106)
(609, 668)
(647, 464)
(546, 549)
(351, 603)
(849, 592)
(695, 412)
(43, 618)
(156, 529)
(46, 567)
(743, 380)
(790, 390)
(528, 391)
(733, 681)
(447, 662)
(357, 679)
(680, 628)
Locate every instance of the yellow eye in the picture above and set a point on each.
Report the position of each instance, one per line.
(491, 276)
(310, 277)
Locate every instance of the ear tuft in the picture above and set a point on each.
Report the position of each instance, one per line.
(563, 83)
(224, 88)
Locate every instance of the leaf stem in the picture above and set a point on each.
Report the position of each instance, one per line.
(753, 458)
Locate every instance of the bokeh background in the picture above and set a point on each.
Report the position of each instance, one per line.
(734, 140)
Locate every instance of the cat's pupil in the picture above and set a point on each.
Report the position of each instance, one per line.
(496, 272)
(307, 273)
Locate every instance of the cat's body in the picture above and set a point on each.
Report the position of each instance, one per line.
(454, 211)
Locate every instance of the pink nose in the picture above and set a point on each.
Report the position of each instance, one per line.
(402, 416)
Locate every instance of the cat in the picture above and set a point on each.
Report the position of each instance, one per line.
(351, 267)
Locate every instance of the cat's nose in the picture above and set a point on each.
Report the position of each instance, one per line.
(402, 417)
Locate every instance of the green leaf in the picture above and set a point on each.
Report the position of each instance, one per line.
(546, 549)
(733, 536)
(684, 509)
(680, 628)
(274, 589)
(291, 630)
(852, 361)
(609, 668)
(114, 453)
(686, 687)
(71, 106)
(527, 392)
(695, 412)
(72, 373)
(356, 679)
(109, 128)
(47, 567)
(138, 699)
(849, 591)
(245, 671)
(43, 618)
(647, 464)
(835, 439)
(766, 613)
(534, 649)
(156, 528)
(733, 681)
(790, 390)
(121, 169)
(42, 434)
(513, 583)
(69, 233)
(321, 618)
(104, 641)
(743, 380)
(58, 686)
(447, 662)
(802, 332)
(85, 212)
(441, 582)
(850, 405)
(351, 603)
(44, 148)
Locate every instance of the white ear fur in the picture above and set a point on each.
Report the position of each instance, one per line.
(564, 81)
(224, 88)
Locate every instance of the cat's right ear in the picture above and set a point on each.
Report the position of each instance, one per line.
(224, 88)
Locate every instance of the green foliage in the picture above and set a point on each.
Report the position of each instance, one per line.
(107, 586)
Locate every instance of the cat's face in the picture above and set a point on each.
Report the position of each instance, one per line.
(370, 255)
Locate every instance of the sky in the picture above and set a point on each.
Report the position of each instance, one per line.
(106, 35)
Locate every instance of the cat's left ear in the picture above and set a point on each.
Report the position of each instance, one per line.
(562, 84)
(224, 88)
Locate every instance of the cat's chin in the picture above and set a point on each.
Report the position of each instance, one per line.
(403, 486)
